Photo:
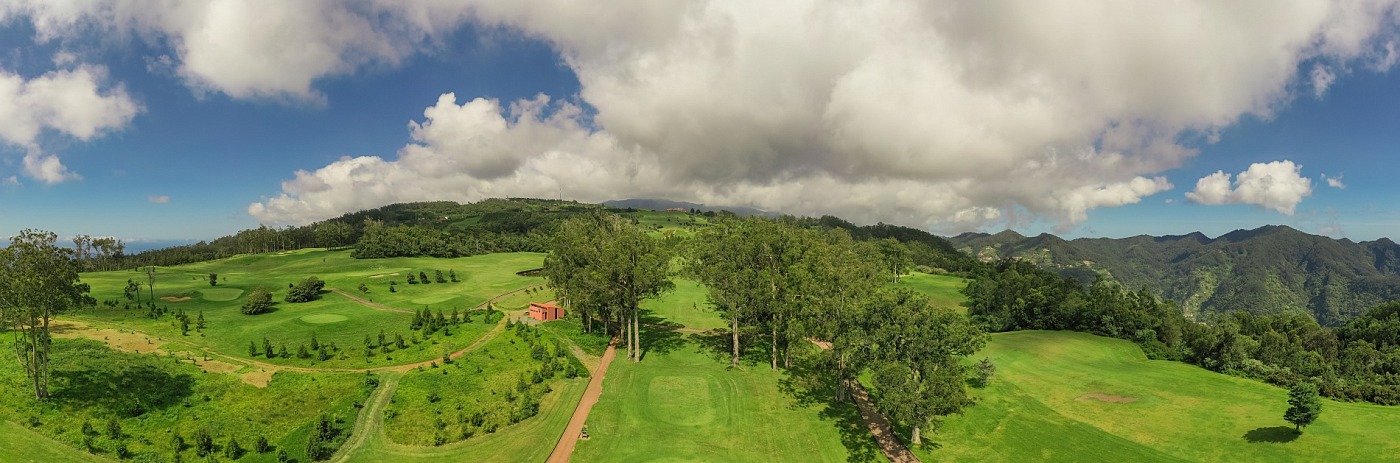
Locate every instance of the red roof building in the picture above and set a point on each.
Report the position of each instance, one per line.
(544, 311)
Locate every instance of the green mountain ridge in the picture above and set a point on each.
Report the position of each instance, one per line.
(1266, 270)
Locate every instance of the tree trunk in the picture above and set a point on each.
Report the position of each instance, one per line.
(774, 343)
(916, 439)
(637, 334)
(734, 330)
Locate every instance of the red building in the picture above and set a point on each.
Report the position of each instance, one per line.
(545, 311)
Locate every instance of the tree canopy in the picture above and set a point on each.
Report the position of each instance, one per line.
(38, 279)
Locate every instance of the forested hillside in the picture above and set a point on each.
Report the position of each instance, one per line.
(1272, 269)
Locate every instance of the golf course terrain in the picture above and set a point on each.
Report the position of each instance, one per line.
(132, 382)
(1065, 396)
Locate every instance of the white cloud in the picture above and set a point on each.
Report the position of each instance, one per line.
(158, 199)
(1334, 182)
(1322, 79)
(11, 181)
(925, 113)
(1276, 185)
(46, 168)
(72, 102)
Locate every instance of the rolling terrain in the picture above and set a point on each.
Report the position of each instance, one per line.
(1266, 270)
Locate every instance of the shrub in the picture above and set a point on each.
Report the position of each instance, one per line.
(259, 302)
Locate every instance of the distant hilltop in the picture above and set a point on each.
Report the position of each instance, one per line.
(666, 204)
(1266, 270)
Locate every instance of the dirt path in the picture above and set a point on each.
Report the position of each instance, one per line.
(880, 427)
(565, 448)
(878, 424)
(370, 419)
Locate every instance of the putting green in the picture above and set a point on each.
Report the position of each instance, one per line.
(220, 294)
(680, 400)
(323, 318)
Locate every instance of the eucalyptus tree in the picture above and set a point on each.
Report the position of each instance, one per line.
(601, 260)
(38, 280)
(725, 258)
(836, 277)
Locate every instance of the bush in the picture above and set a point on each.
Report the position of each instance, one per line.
(259, 302)
(305, 291)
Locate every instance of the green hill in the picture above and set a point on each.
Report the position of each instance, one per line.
(1063, 396)
(1266, 270)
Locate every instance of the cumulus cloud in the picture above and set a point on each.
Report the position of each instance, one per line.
(242, 48)
(1276, 185)
(72, 102)
(46, 168)
(158, 199)
(946, 114)
(950, 115)
(1334, 182)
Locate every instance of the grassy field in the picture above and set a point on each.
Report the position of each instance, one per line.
(944, 290)
(154, 396)
(1062, 396)
(684, 404)
(686, 306)
(332, 318)
(501, 383)
(22, 445)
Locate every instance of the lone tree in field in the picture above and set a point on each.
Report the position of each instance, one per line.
(1304, 405)
(213, 279)
(38, 280)
(306, 290)
(605, 266)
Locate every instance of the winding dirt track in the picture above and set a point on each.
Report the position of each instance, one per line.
(880, 427)
(564, 449)
(370, 419)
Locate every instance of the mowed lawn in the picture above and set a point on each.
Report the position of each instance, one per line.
(943, 290)
(687, 405)
(331, 318)
(1038, 408)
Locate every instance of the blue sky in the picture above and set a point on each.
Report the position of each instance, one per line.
(198, 119)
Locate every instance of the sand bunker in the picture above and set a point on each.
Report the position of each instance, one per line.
(175, 299)
(382, 275)
(1117, 399)
(122, 341)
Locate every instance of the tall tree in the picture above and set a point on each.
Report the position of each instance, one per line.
(1304, 405)
(617, 262)
(38, 280)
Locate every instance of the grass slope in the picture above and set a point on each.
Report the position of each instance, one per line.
(943, 290)
(332, 318)
(1035, 410)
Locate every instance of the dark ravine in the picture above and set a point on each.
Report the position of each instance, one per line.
(1266, 270)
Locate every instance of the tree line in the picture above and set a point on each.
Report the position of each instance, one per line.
(784, 286)
(1357, 361)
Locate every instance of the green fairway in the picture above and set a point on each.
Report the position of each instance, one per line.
(332, 319)
(683, 403)
(687, 306)
(1061, 396)
(943, 290)
(21, 445)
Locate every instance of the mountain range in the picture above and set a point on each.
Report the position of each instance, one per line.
(1266, 270)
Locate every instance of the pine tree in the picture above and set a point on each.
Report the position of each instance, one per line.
(1304, 405)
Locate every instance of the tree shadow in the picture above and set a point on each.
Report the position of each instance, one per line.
(812, 385)
(1272, 434)
(126, 385)
(660, 340)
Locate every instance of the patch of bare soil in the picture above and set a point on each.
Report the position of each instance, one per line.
(116, 339)
(258, 378)
(175, 299)
(382, 275)
(215, 366)
(1110, 398)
